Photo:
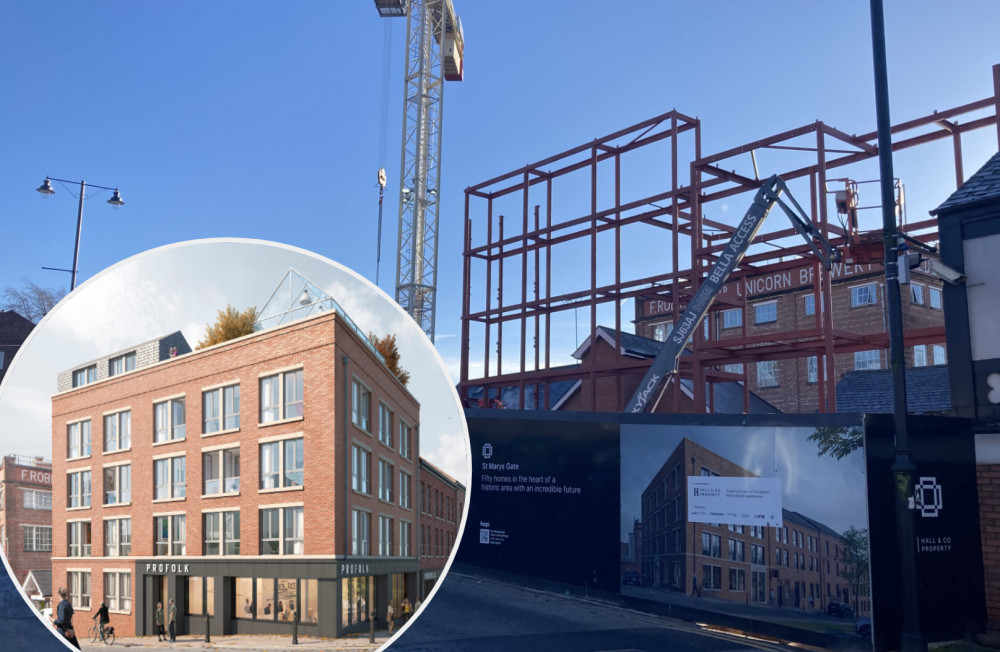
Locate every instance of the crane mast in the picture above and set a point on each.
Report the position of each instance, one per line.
(434, 49)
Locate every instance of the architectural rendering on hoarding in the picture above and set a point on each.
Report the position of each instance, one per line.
(266, 481)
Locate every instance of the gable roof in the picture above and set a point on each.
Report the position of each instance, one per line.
(927, 391)
(981, 188)
(38, 582)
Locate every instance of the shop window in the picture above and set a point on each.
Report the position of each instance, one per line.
(243, 597)
(355, 600)
(265, 599)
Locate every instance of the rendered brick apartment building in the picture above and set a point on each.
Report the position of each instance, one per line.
(442, 501)
(264, 480)
(26, 513)
(778, 567)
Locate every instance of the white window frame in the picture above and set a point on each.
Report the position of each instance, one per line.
(78, 583)
(167, 422)
(871, 291)
(920, 355)
(731, 318)
(935, 298)
(122, 476)
(121, 364)
(118, 431)
(218, 414)
(84, 480)
(84, 376)
(385, 527)
(118, 600)
(405, 439)
(939, 354)
(812, 369)
(76, 546)
(761, 306)
(385, 422)
(175, 490)
(361, 527)
(767, 373)
(284, 470)
(917, 294)
(361, 464)
(175, 542)
(228, 519)
(734, 368)
(405, 484)
(78, 439)
(385, 479)
(116, 546)
(285, 407)
(361, 405)
(228, 485)
(284, 539)
(37, 538)
(405, 534)
(39, 499)
(662, 330)
(864, 360)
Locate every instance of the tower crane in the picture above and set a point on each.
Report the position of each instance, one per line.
(434, 49)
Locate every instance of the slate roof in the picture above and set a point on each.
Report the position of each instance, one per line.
(510, 396)
(729, 398)
(42, 579)
(801, 519)
(927, 391)
(981, 187)
(14, 328)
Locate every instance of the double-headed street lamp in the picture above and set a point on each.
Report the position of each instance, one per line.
(116, 200)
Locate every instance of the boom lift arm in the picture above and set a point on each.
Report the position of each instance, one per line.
(664, 365)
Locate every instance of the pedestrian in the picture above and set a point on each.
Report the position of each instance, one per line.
(64, 618)
(416, 606)
(695, 591)
(390, 612)
(407, 610)
(811, 603)
(172, 621)
(160, 634)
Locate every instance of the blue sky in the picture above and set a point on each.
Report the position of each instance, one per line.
(261, 119)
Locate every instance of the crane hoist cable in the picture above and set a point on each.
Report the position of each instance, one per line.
(383, 136)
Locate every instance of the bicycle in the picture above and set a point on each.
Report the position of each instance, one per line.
(106, 634)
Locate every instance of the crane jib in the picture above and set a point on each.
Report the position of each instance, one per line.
(666, 360)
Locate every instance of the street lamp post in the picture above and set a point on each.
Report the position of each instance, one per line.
(116, 200)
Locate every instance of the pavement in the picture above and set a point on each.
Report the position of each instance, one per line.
(261, 642)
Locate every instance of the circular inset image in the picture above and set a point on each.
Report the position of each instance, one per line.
(230, 437)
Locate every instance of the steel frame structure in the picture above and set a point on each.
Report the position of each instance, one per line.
(420, 164)
(498, 248)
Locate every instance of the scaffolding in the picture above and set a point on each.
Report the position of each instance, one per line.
(572, 233)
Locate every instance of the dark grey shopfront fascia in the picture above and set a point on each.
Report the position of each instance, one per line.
(265, 595)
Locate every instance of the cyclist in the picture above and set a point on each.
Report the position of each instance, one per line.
(102, 613)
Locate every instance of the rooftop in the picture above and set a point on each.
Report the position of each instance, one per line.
(981, 187)
(927, 391)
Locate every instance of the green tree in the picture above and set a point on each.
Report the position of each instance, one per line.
(31, 301)
(855, 557)
(230, 324)
(387, 347)
(837, 441)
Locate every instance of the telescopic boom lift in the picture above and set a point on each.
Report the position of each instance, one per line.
(664, 366)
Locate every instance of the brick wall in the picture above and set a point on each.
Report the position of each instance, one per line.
(988, 476)
(15, 479)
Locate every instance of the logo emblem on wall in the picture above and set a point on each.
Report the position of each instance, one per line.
(927, 497)
(487, 451)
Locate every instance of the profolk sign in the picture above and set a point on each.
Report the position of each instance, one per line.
(751, 286)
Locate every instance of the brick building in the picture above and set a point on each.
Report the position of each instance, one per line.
(258, 481)
(442, 501)
(780, 307)
(780, 567)
(26, 513)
